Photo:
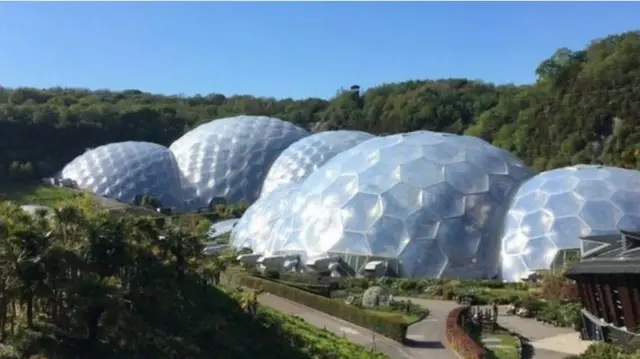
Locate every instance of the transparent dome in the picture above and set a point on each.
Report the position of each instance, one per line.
(226, 160)
(223, 227)
(429, 203)
(255, 228)
(125, 170)
(552, 210)
(306, 155)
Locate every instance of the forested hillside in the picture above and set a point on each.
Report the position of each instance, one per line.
(584, 108)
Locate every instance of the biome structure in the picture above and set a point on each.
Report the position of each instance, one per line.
(430, 205)
(551, 211)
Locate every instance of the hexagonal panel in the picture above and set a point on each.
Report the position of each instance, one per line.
(407, 211)
(459, 176)
(401, 200)
(362, 211)
(627, 200)
(565, 204)
(581, 200)
(242, 148)
(306, 155)
(539, 252)
(253, 230)
(595, 190)
(125, 170)
(532, 202)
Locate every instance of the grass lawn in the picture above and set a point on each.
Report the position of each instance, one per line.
(34, 193)
(503, 346)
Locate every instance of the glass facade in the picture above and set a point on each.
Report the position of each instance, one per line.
(429, 203)
(552, 210)
(125, 170)
(227, 160)
(306, 155)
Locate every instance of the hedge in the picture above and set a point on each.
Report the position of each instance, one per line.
(459, 339)
(319, 289)
(392, 326)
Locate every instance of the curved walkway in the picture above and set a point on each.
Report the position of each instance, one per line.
(425, 338)
(431, 331)
(543, 341)
(353, 333)
(540, 340)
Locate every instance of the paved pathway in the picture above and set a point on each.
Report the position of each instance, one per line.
(352, 332)
(425, 338)
(431, 331)
(541, 340)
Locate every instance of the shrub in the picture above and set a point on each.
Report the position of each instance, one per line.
(374, 297)
(458, 338)
(557, 287)
(392, 326)
(319, 289)
(409, 307)
(559, 314)
(532, 305)
(434, 290)
(603, 351)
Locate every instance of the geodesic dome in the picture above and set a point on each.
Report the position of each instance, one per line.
(552, 210)
(125, 170)
(428, 203)
(219, 228)
(254, 230)
(227, 160)
(306, 155)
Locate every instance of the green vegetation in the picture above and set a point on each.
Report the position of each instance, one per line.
(554, 300)
(317, 343)
(91, 285)
(85, 284)
(389, 325)
(410, 312)
(582, 109)
(33, 193)
(200, 223)
(605, 351)
(506, 345)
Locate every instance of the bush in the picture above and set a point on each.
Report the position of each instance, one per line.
(319, 289)
(559, 314)
(458, 338)
(602, 351)
(392, 326)
(559, 288)
(408, 307)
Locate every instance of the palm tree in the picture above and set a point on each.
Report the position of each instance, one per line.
(249, 301)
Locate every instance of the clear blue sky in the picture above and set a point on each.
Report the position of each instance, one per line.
(289, 49)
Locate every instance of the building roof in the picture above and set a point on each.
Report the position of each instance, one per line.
(618, 253)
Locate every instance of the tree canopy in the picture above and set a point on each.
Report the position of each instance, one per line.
(77, 283)
(583, 108)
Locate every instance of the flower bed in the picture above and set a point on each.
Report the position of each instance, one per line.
(459, 339)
